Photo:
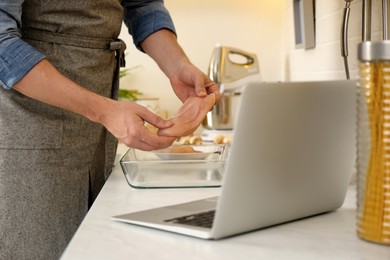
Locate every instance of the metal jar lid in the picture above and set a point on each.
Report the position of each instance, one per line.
(374, 51)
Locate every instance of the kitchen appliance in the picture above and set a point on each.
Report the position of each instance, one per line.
(373, 174)
(231, 68)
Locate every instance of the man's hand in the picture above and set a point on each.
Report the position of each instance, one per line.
(189, 81)
(125, 120)
(186, 80)
(189, 116)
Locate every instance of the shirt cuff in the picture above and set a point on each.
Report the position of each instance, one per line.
(17, 58)
(149, 23)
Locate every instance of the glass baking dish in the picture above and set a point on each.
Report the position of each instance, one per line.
(161, 169)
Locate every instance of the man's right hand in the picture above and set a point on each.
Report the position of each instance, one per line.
(125, 120)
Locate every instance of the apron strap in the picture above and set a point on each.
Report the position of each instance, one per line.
(119, 47)
(116, 45)
(66, 39)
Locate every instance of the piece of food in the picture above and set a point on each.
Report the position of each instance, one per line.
(218, 139)
(227, 139)
(179, 149)
(189, 116)
(184, 140)
(189, 139)
(196, 139)
(223, 139)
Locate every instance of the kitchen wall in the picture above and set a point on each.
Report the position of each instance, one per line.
(251, 25)
(324, 62)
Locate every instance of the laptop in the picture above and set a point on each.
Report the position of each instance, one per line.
(292, 157)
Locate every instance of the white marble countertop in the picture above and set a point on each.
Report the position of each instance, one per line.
(327, 236)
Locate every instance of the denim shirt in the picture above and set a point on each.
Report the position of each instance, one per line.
(17, 57)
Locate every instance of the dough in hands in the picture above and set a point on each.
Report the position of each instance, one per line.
(189, 116)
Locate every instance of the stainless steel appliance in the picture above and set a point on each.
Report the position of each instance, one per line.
(231, 68)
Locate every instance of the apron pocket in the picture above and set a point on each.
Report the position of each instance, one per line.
(26, 123)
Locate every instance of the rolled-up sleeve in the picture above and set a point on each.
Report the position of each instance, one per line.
(143, 18)
(17, 57)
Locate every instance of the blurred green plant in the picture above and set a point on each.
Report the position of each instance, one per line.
(129, 94)
(123, 72)
(126, 71)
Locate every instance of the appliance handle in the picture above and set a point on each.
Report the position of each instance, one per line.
(366, 20)
(249, 59)
(385, 19)
(344, 36)
(344, 31)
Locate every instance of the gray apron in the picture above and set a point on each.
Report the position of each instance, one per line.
(53, 163)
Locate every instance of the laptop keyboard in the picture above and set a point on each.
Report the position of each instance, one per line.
(202, 219)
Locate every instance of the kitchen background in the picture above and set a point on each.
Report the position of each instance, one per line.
(265, 27)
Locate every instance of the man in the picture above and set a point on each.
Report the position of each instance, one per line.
(58, 70)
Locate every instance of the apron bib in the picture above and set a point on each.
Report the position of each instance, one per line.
(53, 163)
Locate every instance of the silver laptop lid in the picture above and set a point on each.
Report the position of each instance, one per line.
(292, 155)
